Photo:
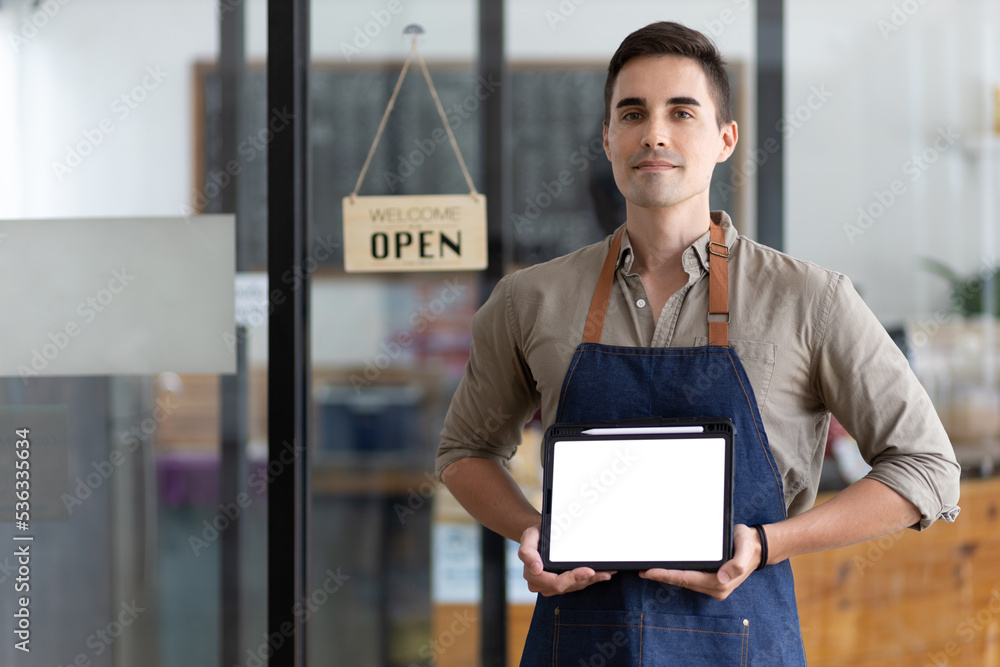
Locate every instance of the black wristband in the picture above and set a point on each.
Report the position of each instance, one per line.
(763, 545)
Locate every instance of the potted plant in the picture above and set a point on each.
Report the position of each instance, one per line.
(959, 357)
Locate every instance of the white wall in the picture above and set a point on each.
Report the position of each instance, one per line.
(10, 171)
(72, 74)
(892, 92)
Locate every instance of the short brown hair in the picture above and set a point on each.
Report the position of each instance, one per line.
(668, 38)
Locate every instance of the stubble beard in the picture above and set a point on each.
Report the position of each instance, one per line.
(653, 192)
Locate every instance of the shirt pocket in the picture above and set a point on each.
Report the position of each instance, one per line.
(758, 362)
(629, 638)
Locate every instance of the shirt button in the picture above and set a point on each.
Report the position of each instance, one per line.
(641, 303)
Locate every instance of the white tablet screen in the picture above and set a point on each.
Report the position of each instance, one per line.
(638, 500)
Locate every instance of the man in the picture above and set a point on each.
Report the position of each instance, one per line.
(799, 345)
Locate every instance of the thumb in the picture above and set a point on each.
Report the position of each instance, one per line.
(724, 576)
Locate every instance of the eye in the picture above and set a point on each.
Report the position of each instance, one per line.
(632, 115)
(683, 114)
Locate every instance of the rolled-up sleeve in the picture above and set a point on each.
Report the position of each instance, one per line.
(867, 383)
(497, 395)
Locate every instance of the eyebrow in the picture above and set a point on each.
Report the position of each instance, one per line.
(641, 102)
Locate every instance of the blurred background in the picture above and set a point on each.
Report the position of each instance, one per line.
(890, 132)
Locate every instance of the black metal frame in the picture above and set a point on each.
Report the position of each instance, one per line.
(233, 388)
(495, 162)
(232, 73)
(770, 107)
(233, 416)
(288, 384)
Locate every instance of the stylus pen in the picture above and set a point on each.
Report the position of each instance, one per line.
(644, 430)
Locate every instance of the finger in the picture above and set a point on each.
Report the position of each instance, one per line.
(579, 574)
(534, 571)
(531, 558)
(745, 555)
(549, 583)
(732, 569)
(598, 577)
(675, 577)
(527, 549)
(698, 581)
(546, 583)
(736, 569)
(574, 580)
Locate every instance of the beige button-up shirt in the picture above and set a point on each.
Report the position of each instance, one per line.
(808, 342)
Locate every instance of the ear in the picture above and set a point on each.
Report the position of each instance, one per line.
(607, 147)
(729, 136)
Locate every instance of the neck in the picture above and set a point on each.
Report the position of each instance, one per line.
(660, 236)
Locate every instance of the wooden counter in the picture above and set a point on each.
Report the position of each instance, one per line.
(909, 598)
(925, 599)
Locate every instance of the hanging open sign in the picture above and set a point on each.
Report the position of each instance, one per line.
(415, 233)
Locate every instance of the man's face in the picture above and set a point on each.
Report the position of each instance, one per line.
(663, 140)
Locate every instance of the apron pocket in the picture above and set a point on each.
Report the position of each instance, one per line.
(695, 641)
(758, 362)
(627, 639)
(608, 638)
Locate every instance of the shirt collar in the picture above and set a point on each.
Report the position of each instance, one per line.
(696, 254)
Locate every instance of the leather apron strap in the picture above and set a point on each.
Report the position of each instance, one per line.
(718, 289)
(599, 303)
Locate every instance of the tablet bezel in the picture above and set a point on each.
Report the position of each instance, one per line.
(713, 427)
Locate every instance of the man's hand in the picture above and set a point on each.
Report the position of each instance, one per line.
(549, 583)
(746, 557)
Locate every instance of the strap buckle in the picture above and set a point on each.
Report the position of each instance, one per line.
(725, 255)
(711, 315)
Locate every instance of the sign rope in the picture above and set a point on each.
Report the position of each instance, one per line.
(415, 52)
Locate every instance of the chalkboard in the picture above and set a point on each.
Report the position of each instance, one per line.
(562, 190)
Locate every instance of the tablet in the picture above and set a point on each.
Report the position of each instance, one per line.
(637, 495)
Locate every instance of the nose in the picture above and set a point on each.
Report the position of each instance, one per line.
(656, 134)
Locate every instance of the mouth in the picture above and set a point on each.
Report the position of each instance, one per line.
(655, 165)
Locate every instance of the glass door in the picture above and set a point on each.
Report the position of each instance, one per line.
(112, 416)
(388, 349)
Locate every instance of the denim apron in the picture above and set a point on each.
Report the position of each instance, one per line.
(634, 622)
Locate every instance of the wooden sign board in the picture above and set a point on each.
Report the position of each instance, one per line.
(415, 233)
